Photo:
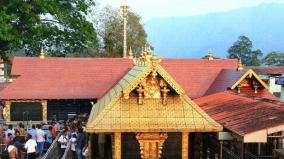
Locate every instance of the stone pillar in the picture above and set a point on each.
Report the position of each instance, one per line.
(185, 145)
(151, 144)
(117, 145)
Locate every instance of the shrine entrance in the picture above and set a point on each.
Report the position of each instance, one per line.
(150, 105)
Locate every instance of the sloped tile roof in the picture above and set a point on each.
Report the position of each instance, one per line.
(268, 70)
(64, 78)
(196, 75)
(225, 79)
(242, 114)
(84, 78)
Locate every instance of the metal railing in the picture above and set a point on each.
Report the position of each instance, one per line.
(249, 155)
(227, 154)
(53, 151)
(68, 152)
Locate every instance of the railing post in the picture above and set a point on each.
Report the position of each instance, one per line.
(221, 149)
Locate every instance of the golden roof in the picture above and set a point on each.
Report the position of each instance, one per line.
(120, 111)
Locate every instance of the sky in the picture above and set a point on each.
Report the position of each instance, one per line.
(150, 9)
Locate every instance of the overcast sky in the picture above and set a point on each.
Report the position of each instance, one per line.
(149, 9)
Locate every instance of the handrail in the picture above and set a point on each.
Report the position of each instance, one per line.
(231, 154)
(67, 152)
(52, 147)
(248, 154)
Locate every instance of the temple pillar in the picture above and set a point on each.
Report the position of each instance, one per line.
(8, 107)
(44, 110)
(185, 145)
(151, 144)
(117, 145)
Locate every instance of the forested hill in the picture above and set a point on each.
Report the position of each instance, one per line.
(194, 36)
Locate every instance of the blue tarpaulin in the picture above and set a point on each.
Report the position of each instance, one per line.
(279, 80)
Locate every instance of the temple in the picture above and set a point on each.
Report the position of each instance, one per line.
(151, 107)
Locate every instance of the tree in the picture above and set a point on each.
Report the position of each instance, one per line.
(274, 59)
(109, 24)
(60, 27)
(243, 49)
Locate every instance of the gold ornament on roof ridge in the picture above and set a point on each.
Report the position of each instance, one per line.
(210, 55)
(130, 54)
(42, 54)
(147, 57)
(240, 65)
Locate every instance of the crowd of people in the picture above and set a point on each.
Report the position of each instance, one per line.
(31, 143)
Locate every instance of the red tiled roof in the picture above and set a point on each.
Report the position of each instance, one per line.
(268, 70)
(196, 75)
(83, 78)
(64, 78)
(242, 114)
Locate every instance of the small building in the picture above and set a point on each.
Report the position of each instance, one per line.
(273, 76)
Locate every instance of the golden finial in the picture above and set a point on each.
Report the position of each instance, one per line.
(155, 60)
(42, 54)
(130, 54)
(240, 65)
(146, 57)
(210, 55)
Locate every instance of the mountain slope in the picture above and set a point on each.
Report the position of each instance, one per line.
(194, 36)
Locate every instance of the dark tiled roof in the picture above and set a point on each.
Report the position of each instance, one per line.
(84, 78)
(224, 80)
(268, 70)
(242, 114)
(3, 85)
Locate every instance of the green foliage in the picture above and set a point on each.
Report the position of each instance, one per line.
(60, 27)
(109, 24)
(243, 49)
(274, 59)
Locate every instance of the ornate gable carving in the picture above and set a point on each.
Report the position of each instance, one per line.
(152, 87)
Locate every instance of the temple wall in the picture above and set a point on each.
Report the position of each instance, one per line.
(60, 109)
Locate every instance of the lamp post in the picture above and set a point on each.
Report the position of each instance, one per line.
(124, 12)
